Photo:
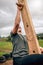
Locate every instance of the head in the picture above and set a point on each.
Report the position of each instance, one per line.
(19, 30)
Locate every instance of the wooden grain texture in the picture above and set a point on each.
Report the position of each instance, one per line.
(29, 29)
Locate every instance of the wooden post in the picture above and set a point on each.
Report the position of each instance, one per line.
(29, 29)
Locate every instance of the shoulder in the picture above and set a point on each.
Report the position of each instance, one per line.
(12, 34)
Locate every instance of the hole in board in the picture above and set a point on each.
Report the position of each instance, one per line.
(27, 25)
(33, 51)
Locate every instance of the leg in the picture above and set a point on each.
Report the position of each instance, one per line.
(35, 59)
(17, 61)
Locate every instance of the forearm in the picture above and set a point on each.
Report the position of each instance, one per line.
(17, 21)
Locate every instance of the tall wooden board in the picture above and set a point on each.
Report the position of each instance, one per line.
(29, 29)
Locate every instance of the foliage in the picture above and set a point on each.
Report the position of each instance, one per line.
(40, 36)
(8, 38)
(41, 43)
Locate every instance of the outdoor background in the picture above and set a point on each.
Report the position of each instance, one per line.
(8, 10)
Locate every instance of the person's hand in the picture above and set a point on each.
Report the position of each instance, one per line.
(20, 5)
(41, 49)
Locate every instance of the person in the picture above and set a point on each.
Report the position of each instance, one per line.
(20, 46)
(20, 53)
(41, 49)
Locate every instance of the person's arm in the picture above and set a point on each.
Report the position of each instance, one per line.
(17, 19)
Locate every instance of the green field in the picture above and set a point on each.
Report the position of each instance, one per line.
(41, 43)
(5, 46)
(8, 46)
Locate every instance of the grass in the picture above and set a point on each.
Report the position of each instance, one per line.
(1, 53)
(8, 46)
(41, 43)
(5, 46)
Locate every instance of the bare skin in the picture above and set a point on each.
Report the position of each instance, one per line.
(17, 19)
(41, 48)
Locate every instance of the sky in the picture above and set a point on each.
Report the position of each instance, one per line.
(8, 10)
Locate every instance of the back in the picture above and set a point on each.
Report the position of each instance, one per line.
(20, 45)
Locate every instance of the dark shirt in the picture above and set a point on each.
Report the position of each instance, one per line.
(20, 45)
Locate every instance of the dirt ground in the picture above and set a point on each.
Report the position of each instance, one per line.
(9, 62)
